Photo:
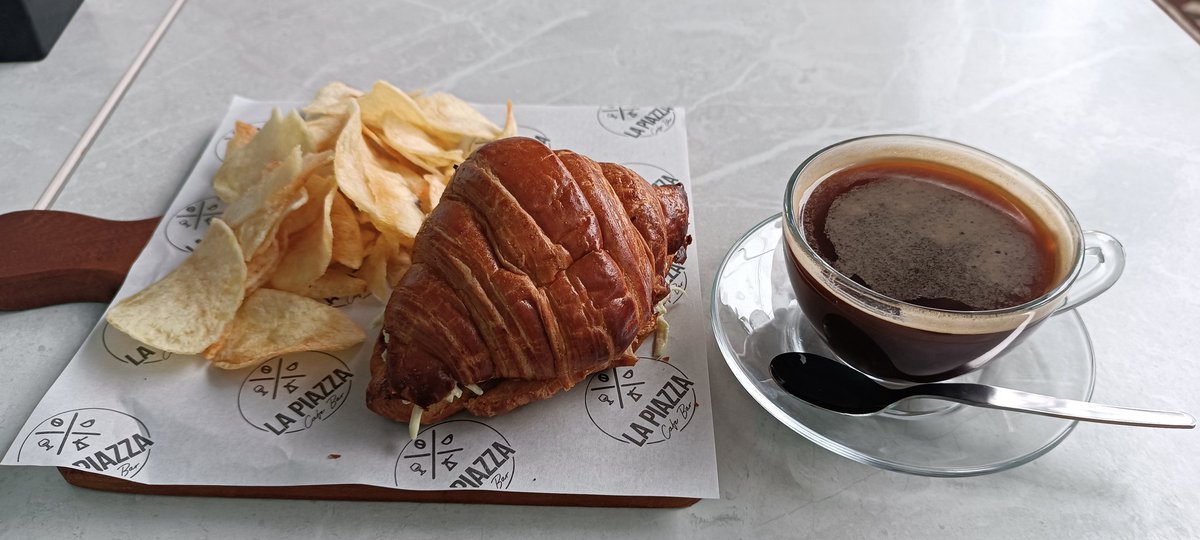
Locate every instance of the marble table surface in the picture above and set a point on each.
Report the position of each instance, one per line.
(1098, 99)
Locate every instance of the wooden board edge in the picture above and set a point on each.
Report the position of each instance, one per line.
(360, 492)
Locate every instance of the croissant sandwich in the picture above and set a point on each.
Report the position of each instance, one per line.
(536, 269)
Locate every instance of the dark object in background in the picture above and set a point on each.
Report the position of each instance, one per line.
(29, 28)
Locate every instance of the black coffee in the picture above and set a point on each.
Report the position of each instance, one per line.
(931, 235)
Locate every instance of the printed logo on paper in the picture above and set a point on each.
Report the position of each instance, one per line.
(223, 143)
(128, 350)
(677, 279)
(97, 440)
(457, 454)
(653, 173)
(636, 122)
(535, 134)
(291, 393)
(676, 276)
(187, 228)
(647, 403)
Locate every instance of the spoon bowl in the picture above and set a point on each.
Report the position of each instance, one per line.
(828, 384)
(840, 388)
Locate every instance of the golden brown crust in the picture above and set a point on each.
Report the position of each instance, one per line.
(537, 269)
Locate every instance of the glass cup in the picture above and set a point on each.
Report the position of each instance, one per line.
(903, 343)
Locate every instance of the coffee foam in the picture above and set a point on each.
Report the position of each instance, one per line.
(1038, 199)
(911, 240)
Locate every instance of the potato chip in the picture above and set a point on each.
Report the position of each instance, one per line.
(365, 182)
(324, 131)
(309, 251)
(332, 100)
(243, 166)
(449, 115)
(242, 133)
(369, 235)
(403, 207)
(432, 195)
(417, 146)
(337, 282)
(510, 123)
(385, 157)
(347, 237)
(255, 216)
(317, 163)
(317, 185)
(374, 268)
(272, 323)
(188, 309)
(468, 144)
(327, 114)
(262, 264)
(348, 157)
(259, 213)
(386, 100)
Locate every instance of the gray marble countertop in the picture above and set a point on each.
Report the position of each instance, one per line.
(47, 105)
(1098, 99)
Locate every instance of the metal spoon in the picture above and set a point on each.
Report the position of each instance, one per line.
(834, 386)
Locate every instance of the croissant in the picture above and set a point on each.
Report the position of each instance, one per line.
(536, 269)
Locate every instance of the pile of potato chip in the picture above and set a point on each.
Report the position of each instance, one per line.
(320, 206)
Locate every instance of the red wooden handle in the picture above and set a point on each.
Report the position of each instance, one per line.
(49, 257)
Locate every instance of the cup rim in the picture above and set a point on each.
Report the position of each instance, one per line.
(789, 215)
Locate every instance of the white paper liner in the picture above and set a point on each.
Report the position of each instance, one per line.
(129, 411)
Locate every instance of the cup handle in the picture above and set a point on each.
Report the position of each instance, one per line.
(1110, 262)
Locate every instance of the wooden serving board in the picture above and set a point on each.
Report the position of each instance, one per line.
(358, 492)
(50, 257)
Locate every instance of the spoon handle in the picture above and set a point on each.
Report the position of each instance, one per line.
(1015, 400)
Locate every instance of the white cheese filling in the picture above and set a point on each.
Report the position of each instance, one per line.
(414, 422)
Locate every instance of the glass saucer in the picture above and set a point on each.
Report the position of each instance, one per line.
(755, 317)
